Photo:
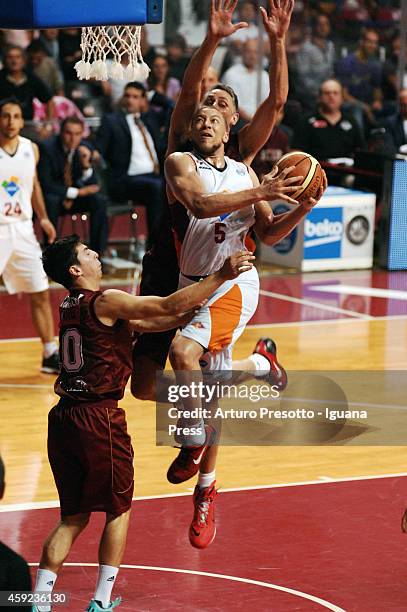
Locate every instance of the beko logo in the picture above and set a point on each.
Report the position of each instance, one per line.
(322, 232)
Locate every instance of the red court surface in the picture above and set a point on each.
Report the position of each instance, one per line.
(333, 545)
(287, 298)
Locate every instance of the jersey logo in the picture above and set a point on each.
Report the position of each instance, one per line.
(11, 186)
(222, 217)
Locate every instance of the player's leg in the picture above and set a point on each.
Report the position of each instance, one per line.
(24, 273)
(55, 550)
(111, 550)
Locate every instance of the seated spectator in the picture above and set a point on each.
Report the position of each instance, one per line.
(176, 55)
(390, 69)
(396, 128)
(246, 12)
(18, 82)
(315, 62)
(160, 81)
(243, 79)
(63, 108)
(50, 41)
(14, 571)
(329, 132)
(148, 52)
(360, 74)
(131, 143)
(211, 79)
(45, 68)
(69, 182)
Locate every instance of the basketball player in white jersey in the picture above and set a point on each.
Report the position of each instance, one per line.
(20, 253)
(223, 200)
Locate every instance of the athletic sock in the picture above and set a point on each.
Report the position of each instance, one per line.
(193, 440)
(49, 348)
(204, 480)
(105, 583)
(262, 364)
(45, 582)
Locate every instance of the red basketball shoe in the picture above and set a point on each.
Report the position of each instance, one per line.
(188, 460)
(277, 375)
(202, 531)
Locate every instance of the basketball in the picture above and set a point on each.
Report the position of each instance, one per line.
(309, 168)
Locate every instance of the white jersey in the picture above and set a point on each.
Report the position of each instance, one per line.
(208, 242)
(16, 183)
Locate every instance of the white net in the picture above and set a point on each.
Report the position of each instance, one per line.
(112, 52)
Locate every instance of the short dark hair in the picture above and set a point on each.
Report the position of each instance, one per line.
(59, 257)
(177, 40)
(228, 90)
(71, 119)
(136, 85)
(36, 46)
(11, 100)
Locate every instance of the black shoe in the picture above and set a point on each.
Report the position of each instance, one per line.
(51, 364)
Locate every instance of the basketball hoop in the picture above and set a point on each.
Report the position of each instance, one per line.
(111, 42)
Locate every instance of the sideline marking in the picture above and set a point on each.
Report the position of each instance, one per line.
(286, 298)
(267, 585)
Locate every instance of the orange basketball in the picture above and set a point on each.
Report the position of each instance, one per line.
(306, 166)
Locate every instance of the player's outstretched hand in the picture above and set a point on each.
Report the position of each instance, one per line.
(220, 20)
(277, 19)
(278, 185)
(236, 264)
(311, 202)
(49, 229)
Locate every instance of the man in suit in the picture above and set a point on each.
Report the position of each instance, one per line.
(131, 143)
(69, 182)
(396, 127)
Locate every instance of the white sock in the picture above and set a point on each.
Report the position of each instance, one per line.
(49, 348)
(197, 439)
(262, 364)
(105, 583)
(204, 480)
(45, 582)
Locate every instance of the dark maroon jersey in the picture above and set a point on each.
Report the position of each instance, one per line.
(95, 358)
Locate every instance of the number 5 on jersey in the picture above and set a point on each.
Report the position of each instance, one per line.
(220, 234)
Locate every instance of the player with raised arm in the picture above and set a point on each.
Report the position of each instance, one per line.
(89, 448)
(160, 265)
(223, 200)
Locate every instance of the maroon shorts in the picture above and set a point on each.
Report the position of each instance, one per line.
(91, 457)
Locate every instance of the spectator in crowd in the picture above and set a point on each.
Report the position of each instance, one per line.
(396, 127)
(390, 68)
(131, 143)
(243, 80)
(276, 146)
(147, 50)
(315, 62)
(69, 182)
(17, 38)
(18, 82)
(14, 571)
(246, 13)
(45, 68)
(211, 79)
(330, 132)
(160, 81)
(50, 42)
(360, 74)
(177, 58)
(69, 52)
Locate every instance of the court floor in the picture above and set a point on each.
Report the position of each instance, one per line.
(299, 527)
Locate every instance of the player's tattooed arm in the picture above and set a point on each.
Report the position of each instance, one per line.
(220, 25)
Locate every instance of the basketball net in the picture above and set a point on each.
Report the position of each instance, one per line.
(116, 43)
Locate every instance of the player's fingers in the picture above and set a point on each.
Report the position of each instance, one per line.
(263, 14)
(287, 198)
(245, 268)
(290, 6)
(292, 179)
(287, 171)
(240, 25)
(212, 6)
(230, 5)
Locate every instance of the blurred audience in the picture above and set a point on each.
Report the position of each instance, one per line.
(243, 79)
(177, 57)
(390, 69)
(50, 41)
(276, 146)
(396, 128)
(69, 182)
(45, 67)
(159, 79)
(211, 79)
(330, 132)
(69, 52)
(131, 142)
(360, 74)
(19, 82)
(315, 62)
